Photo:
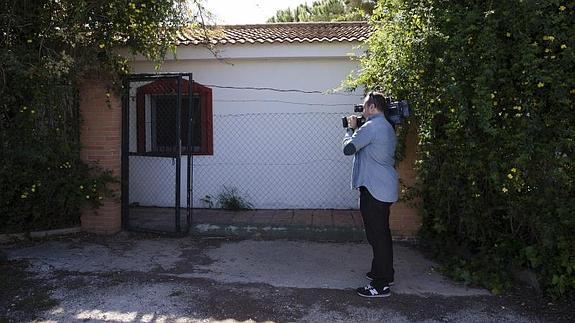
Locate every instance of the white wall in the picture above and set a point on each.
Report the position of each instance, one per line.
(278, 154)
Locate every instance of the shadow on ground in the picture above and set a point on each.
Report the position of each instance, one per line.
(142, 278)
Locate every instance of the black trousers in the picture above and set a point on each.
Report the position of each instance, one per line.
(375, 216)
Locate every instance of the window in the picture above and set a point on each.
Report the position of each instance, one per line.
(163, 121)
(157, 104)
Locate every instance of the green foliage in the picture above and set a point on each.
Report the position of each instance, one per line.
(230, 199)
(492, 85)
(45, 48)
(43, 183)
(208, 201)
(326, 10)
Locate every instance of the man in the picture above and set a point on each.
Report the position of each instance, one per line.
(373, 147)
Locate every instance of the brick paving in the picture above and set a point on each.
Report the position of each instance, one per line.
(297, 217)
(286, 223)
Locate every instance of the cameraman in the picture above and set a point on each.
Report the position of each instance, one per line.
(373, 147)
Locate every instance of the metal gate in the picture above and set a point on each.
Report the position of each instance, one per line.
(157, 145)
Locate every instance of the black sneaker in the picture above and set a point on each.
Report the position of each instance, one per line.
(372, 292)
(369, 277)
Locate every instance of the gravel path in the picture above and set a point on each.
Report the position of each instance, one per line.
(135, 278)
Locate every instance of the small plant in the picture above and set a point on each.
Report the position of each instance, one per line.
(230, 199)
(207, 200)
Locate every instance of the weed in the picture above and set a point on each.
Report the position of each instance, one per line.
(230, 199)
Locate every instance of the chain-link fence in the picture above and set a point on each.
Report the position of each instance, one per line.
(272, 160)
(277, 160)
(281, 156)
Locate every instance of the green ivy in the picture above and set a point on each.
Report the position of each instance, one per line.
(46, 47)
(492, 85)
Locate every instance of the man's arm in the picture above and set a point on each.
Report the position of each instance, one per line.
(353, 142)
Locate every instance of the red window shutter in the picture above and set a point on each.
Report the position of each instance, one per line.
(165, 86)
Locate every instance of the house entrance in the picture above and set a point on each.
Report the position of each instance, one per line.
(161, 130)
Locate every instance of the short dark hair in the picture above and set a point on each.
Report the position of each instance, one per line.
(378, 99)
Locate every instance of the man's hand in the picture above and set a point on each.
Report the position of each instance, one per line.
(352, 122)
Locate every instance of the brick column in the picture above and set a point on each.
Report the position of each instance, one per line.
(101, 139)
(404, 219)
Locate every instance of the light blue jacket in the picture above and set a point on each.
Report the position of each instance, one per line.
(373, 147)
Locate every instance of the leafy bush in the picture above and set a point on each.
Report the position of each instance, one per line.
(46, 46)
(493, 89)
(230, 199)
(43, 182)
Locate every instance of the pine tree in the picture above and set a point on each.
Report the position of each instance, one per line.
(326, 10)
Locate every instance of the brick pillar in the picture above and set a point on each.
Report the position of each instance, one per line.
(101, 139)
(404, 218)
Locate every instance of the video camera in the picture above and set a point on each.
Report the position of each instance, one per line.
(395, 112)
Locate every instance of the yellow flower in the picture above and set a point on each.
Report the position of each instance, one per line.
(504, 190)
(492, 95)
(563, 46)
(508, 34)
(514, 170)
(102, 45)
(562, 8)
(540, 84)
(509, 176)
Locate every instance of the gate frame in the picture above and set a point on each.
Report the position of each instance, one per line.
(125, 169)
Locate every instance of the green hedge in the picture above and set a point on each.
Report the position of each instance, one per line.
(45, 47)
(43, 182)
(492, 84)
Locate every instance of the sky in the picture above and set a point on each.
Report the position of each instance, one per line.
(233, 12)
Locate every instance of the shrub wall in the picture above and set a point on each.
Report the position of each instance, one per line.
(492, 84)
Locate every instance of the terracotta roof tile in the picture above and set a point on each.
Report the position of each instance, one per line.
(277, 33)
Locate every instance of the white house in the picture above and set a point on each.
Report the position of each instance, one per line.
(271, 108)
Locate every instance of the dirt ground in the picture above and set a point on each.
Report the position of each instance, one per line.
(143, 278)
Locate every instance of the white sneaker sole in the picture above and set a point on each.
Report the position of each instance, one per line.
(374, 296)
